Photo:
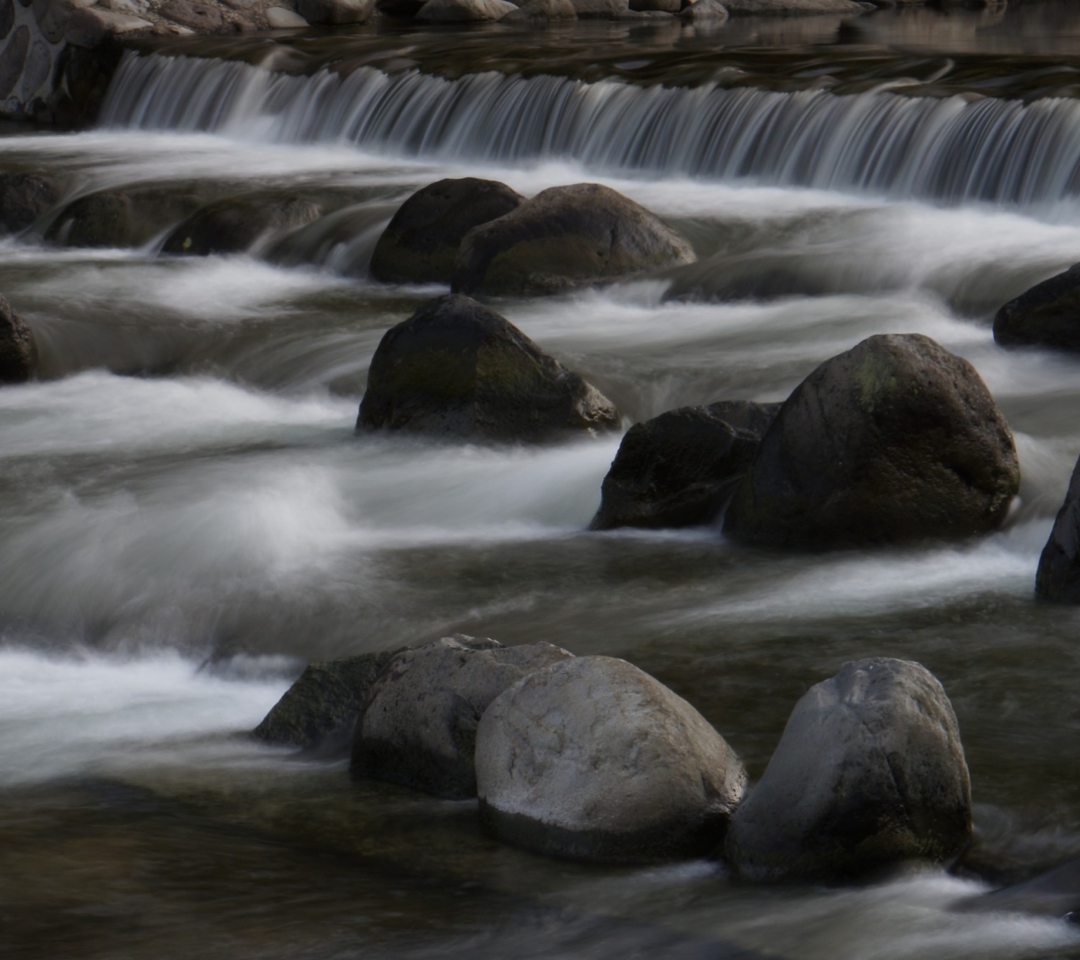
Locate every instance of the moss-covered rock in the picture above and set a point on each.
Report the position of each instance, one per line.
(566, 237)
(679, 469)
(1046, 315)
(895, 440)
(420, 244)
(456, 368)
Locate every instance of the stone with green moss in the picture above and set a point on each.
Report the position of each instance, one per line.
(896, 440)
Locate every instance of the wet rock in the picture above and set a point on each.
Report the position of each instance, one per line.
(420, 244)
(601, 9)
(404, 9)
(705, 10)
(543, 10)
(1054, 893)
(12, 59)
(456, 368)
(318, 713)
(870, 771)
(1047, 315)
(117, 218)
(760, 8)
(89, 26)
(201, 17)
(278, 18)
(134, 8)
(895, 440)
(419, 728)
(1058, 575)
(18, 349)
(595, 760)
(679, 469)
(566, 237)
(237, 224)
(335, 12)
(24, 197)
(464, 10)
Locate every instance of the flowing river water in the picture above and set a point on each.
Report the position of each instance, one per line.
(187, 516)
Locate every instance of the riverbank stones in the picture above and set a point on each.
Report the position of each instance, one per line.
(456, 368)
(420, 244)
(318, 713)
(1058, 574)
(562, 238)
(18, 348)
(895, 440)
(419, 726)
(593, 759)
(1047, 315)
(678, 469)
(869, 771)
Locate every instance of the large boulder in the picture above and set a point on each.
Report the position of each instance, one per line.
(24, 197)
(679, 469)
(566, 237)
(455, 367)
(895, 440)
(870, 771)
(540, 10)
(419, 727)
(593, 759)
(1046, 315)
(461, 11)
(705, 10)
(420, 244)
(1058, 575)
(236, 224)
(18, 349)
(318, 713)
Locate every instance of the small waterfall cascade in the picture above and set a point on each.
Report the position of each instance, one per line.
(946, 150)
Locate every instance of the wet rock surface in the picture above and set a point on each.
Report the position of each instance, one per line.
(593, 759)
(464, 11)
(237, 224)
(318, 713)
(679, 468)
(18, 349)
(895, 440)
(1047, 315)
(120, 218)
(24, 197)
(870, 771)
(419, 727)
(566, 237)
(1058, 574)
(456, 368)
(420, 244)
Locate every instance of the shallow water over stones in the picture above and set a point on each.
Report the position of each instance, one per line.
(188, 517)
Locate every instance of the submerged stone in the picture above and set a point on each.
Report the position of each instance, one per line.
(870, 771)
(895, 440)
(237, 224)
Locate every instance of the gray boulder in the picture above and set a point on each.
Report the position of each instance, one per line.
(870, 771)
(318, 713)
(419, 727)
(236, 224)
(679, 469)
(335, 12)
(1047, 315)
(460, 11)
(1058, 575)
(566, 237)
(201, 17)
(24, 197)
(456, 368)
(18, 349)
(593, 759)
(420, 244)
(895, 440)
(661, 6)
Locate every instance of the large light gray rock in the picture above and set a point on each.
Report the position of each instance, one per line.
(566, 237)
(895, 440)
(870, 771)
(711, 10)
(593, 759)
(419, 727)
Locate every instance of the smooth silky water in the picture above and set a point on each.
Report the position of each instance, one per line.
(187, 516)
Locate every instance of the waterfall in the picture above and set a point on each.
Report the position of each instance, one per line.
(943, 149)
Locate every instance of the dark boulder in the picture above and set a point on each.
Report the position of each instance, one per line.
(679, 469)
(1058, 576)
(1046, 315)
(455, 367)
(895, 440)
(420, 244)
(18, 349)
(335, 12)
(419, 727)
(593, 759)
(870, 771)
(318, 713)
(119, 218)
(24, 197)
(566, 237)
(236, 224)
